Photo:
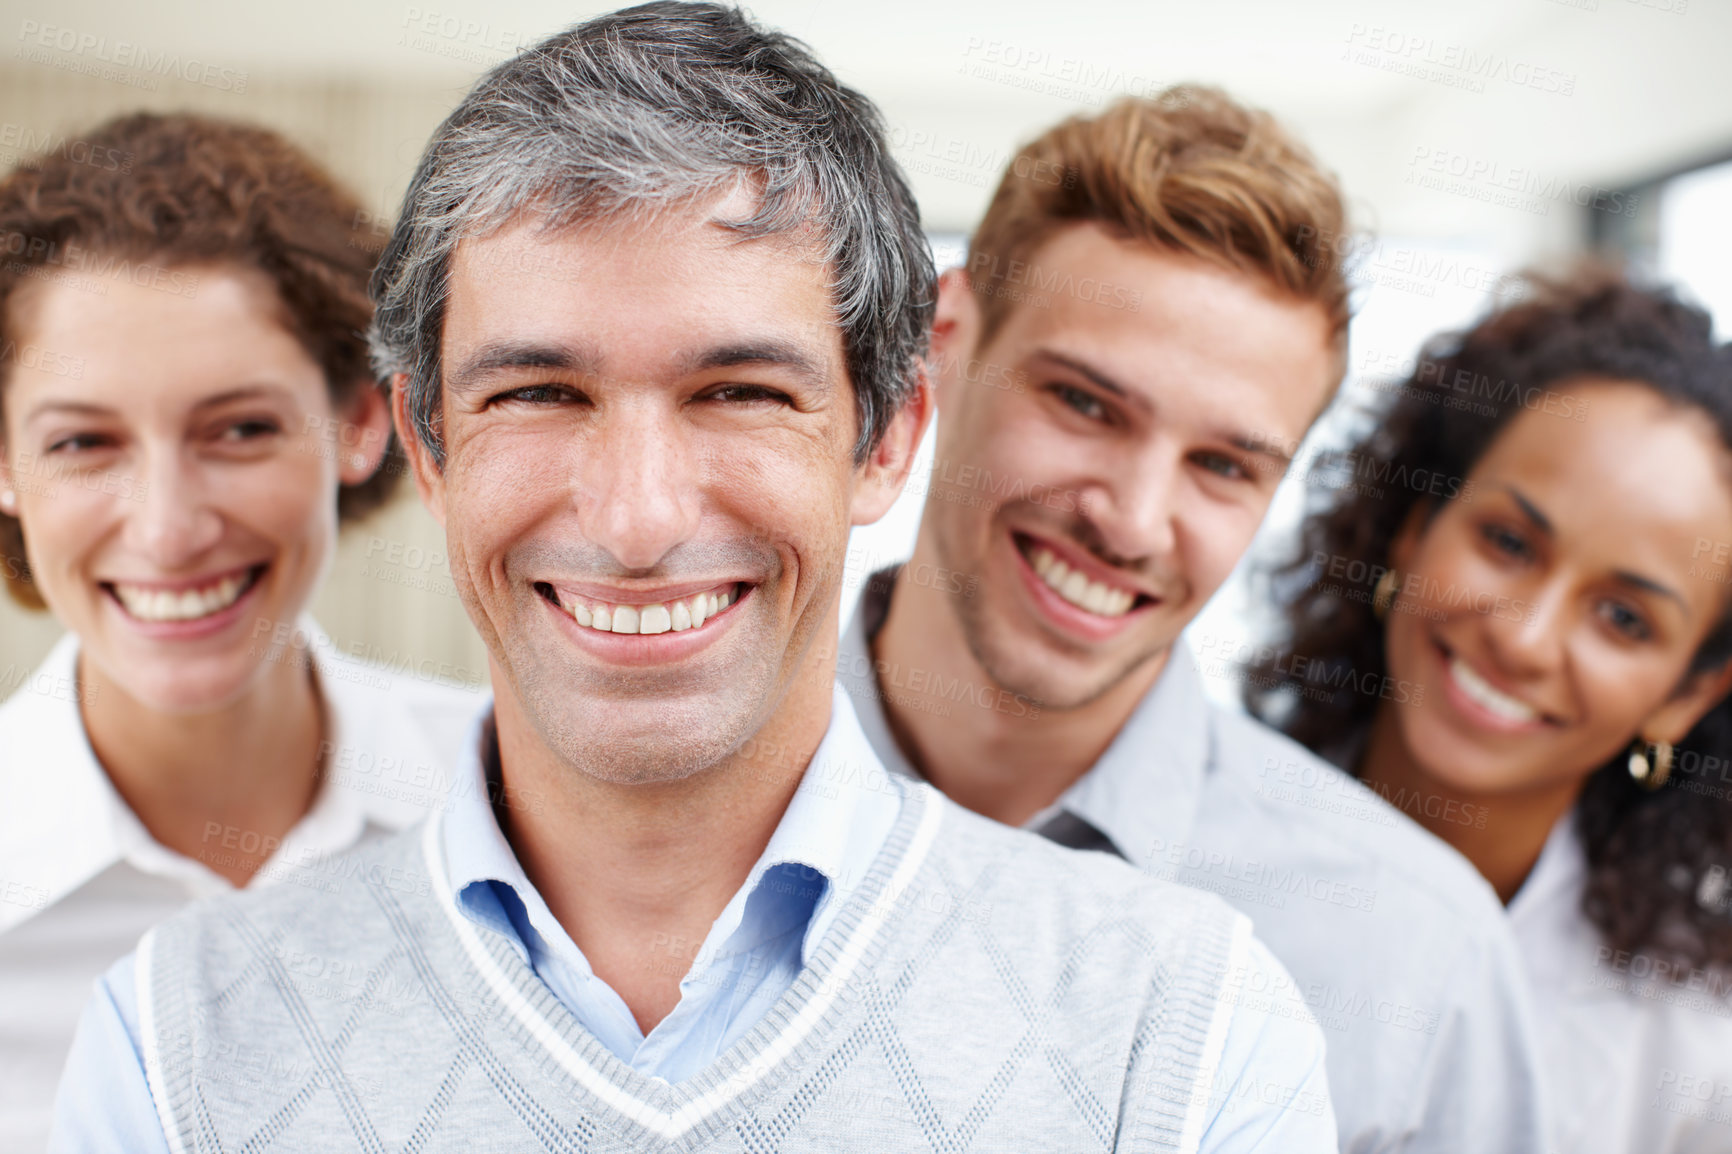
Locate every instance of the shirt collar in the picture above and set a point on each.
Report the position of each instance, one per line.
(476, 852)
(56, 827)
(857, 671)
(840, 816)
(1560, 871)
(64, 822)
(1144, 791)
(835, 824)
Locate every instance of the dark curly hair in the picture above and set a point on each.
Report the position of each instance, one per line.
(1658, 860)
(168, 192)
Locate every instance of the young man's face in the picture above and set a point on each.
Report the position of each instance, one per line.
(649, 480)
(1106, 456)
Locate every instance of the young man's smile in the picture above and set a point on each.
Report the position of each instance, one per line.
(1148, 488)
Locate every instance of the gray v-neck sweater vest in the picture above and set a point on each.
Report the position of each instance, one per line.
(980, 990)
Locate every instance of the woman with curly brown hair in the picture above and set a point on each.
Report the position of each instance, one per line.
(186, 412)
(1533, 549)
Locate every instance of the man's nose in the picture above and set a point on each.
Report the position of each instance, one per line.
(1132, 504)
(643, 490)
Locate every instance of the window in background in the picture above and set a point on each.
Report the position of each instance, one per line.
(1677, 229)
(1695, 239)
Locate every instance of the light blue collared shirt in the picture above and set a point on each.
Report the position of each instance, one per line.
(822, 848)
(834, 827)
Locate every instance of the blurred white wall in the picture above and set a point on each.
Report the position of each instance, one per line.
(1473, 137)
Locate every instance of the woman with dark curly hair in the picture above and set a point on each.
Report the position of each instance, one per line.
(186, 412)
(1511, 621)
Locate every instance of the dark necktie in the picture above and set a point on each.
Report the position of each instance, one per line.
(1067, 829)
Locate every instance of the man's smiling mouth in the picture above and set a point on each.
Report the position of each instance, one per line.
(676, 616)
(1097, 597)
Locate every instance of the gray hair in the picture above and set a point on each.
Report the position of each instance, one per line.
(644, 109)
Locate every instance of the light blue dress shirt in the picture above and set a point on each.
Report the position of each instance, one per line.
(823, 847)
(1270, 1090)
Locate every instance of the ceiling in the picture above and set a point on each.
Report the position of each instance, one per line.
(1600, 90)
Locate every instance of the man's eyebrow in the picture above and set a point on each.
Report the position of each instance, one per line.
(498, 355)
(785, 354)
(1250, 443)
(579, 361)
(1093, 375)
(1261, 446)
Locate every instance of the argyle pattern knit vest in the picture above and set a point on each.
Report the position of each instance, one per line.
(980, 990)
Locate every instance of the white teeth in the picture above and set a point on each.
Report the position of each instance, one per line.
(190, 605)
(675, 616)
(1075, 585)
(1481, 692)
(1095, 596)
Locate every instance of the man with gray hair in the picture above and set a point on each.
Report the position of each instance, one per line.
(653, 318)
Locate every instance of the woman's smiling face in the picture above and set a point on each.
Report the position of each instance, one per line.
(1552, 612)
(173, 476)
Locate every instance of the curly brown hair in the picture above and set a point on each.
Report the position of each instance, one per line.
(176, 191)
(1657, 859)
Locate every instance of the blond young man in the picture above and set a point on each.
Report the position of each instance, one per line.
(1150, 318)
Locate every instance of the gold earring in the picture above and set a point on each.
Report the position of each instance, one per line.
(1383, 596)
(1650, 773)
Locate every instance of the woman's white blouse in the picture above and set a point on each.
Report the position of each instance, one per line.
(1638, 1061)
(81, 879)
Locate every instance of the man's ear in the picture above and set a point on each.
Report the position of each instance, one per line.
(879, 481)
(429, 480)
(365, 433)
(955, 329)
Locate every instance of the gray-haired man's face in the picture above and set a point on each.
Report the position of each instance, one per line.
(648, 483)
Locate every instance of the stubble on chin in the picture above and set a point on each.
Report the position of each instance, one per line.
(1030, 670)
(592, 735)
